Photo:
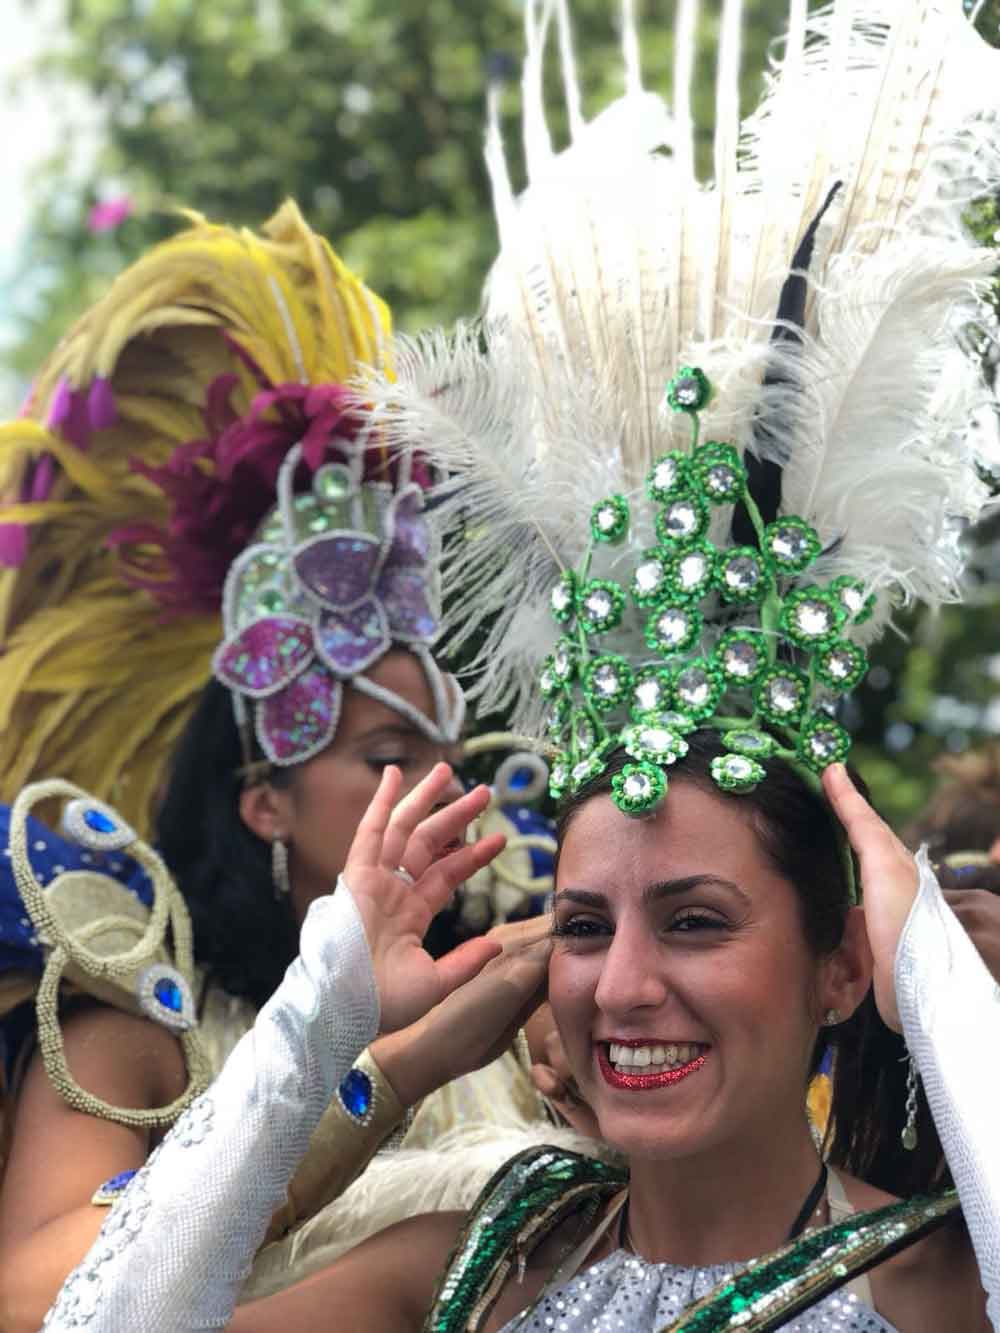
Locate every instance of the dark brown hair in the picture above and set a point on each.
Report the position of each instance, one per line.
(804, 842)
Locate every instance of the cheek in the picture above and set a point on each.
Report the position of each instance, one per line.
(573, 980)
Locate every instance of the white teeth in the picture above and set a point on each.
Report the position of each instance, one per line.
(654, 1058)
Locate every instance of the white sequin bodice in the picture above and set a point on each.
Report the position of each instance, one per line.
(623, 1292)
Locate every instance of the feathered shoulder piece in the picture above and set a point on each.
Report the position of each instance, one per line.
(145, 460)
(710, 432)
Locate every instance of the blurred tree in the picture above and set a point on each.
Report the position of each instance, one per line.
(370, 112)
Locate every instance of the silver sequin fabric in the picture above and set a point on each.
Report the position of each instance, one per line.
(623, 1293)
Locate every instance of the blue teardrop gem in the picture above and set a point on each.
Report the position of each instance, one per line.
(356, 1093)
(117, 1183)
(98, 821)
(520, 778)
(168, 993)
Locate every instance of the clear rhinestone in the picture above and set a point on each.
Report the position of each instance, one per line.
(561, 597)
(742, 573)
(789, 544)
(813, 618)
(740, 659)
(739, 768)
(783, 694)
(839, 664)
(649, 695)
(823, 744)
(638, 787)
(585, 734)
(665, 474)
(720, 479)
(605, 680)
(687, 390)
(559, 775)
(658, 739)
(546, 681)
(853, 599)
(562, 662)
(607, 517)
(692, 570)
(649, 576)
(581, 771)
(598, 605)
(694, 687)
(681, 519)
(672, 627)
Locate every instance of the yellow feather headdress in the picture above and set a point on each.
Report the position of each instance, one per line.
(96, 681)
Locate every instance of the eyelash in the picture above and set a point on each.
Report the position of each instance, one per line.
(378, 763)
(583, 928)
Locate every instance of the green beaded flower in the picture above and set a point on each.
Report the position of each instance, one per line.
(746, 740)
(781, 695)
(683, 519)
(741, 655)
(736, 772)
(852, 596)
(609, 519)
(607, 682)
(690, 571)
(562, 598)
(590, 766)
(585, 734)
(720, 472)
(601, 605)
(670, 474)
(650, 577)
(638, 788)
(565, 656)
(791, 544)
(698, 687)
(842, 665)
(673, 629)
(549, 684)
(822, 741)
(652, 692)
(653, 742)
(689, 390)
(741, 575)
(812, 617)
(557, 717)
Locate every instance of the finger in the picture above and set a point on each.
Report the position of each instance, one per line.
(414, 807)
(547, 1081)
(464, 963)
(441, 828)
(516, 935)
(366, 848)
(439, 882)
(867, 832)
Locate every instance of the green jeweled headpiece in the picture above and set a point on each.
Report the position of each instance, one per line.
(739, 637)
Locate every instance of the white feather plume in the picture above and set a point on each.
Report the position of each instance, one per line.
(616, 266)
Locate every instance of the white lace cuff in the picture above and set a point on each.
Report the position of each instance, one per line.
(178, 1244)
(950, 1008)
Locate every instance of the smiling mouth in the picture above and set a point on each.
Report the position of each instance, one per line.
(634, 1068)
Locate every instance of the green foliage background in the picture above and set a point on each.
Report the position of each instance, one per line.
(370, 113)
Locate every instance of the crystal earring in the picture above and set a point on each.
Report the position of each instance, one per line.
(909, 1134)
(831, 1018)
(279, 869)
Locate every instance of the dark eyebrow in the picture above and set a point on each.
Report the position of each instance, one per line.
(388, 731)
(667, 888)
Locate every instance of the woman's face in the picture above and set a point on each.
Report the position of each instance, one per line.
(319, 812)
(680, 980)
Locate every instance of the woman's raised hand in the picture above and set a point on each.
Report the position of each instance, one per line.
(889, 875)
(400, 875)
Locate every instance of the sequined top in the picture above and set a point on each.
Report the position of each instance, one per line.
(623, 1292)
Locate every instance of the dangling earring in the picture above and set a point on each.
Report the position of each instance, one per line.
(909, 1134)
(279, 869)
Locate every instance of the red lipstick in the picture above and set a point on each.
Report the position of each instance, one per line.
(639, 1082)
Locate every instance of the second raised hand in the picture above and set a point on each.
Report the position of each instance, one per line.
(400, 876)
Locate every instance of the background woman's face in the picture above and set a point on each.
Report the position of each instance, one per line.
(329, 794)
(680, 979)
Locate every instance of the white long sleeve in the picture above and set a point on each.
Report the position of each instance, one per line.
(178, 1245)
(950, 1008)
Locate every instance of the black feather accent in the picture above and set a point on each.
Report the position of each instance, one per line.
(764, 476)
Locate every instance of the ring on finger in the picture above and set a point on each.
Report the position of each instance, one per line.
(405, 875)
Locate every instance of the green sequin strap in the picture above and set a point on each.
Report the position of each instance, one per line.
(773, 1289)
(524, 1200)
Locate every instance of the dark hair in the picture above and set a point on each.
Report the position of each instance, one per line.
(243, 936)
(805, 844)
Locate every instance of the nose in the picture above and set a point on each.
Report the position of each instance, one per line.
(632, 974)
